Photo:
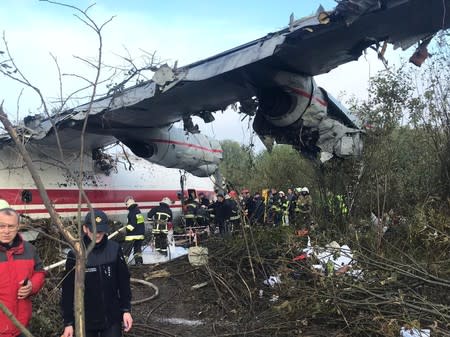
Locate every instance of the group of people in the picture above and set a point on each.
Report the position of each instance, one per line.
(160, 216)
(228, 211)
(107, 296)
(222, 212)
(291, 208)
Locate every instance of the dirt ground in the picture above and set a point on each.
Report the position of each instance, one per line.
(187, 304)
(179, 309)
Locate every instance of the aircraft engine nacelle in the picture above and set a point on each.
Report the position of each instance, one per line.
(296, 111)
(174, 148)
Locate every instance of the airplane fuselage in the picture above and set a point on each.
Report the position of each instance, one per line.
(106, 182)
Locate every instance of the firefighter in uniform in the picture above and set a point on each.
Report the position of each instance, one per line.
(190, 211)
(234, 219)
(273, 202)
(161, 217)
(284, 208)
(203, 200)
(135, 230)
(276, 208)
(304, 204)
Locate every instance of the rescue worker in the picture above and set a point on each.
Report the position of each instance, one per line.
(297, 192)
(203, 200)
(247, 202)
(341, 205)
(277, 213)
(21, 270)
(234, 218)
(292, 198)
(212, 217)
(296, 218)
(161, 217)
(222, 213)
(257, 214)
(304, 204)
(336, 205)
(202, 216)
(135, 231)
(190, 211)
(273, 207)
(284, 208)
(107, 295)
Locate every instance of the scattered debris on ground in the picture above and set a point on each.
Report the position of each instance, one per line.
(271, 282)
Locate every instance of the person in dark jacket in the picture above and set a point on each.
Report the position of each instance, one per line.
(21, 270)
(222, 213)
(135, 231)
(247, 203)
(190, 211)
(234, 218)
(161, 217)
(203, 200)
(107, 296)
(257, 214)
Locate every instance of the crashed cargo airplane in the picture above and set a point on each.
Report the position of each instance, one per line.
(271, 78)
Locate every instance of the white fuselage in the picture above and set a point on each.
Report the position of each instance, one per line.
(147, 183)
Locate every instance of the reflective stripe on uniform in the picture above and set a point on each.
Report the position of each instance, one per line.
(160, 228)
(130, 227)
(140, 218)
(162, 216)
(134, 237)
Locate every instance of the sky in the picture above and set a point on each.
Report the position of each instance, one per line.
(175, 30)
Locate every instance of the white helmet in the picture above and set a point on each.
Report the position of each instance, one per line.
(166, 200)
(129, 201)
(4, 204)
(305, 189)
(281, 193)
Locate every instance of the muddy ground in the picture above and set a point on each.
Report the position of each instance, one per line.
(191, 301)
(178, 310)
(182, 309)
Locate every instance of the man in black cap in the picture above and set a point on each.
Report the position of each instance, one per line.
(107, 295)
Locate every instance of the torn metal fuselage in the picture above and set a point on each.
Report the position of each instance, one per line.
(296, 111)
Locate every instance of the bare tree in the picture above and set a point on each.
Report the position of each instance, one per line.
(11, 70)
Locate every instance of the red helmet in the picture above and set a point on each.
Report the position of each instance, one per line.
(232, 194)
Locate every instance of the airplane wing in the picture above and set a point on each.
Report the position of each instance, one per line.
(271, 78)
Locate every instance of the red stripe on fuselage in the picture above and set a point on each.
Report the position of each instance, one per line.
(85, 209)
(65, 196)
